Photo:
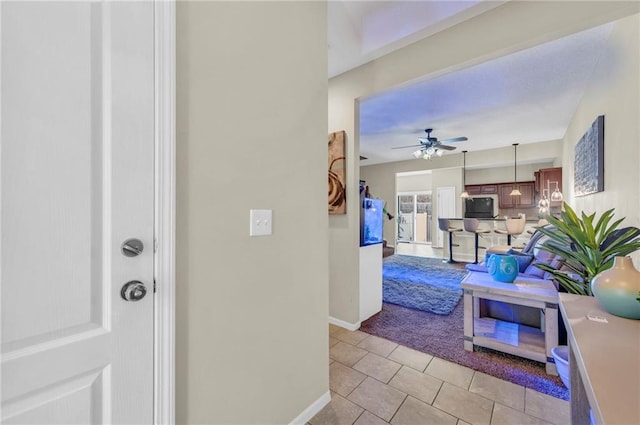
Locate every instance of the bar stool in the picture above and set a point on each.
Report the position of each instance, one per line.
(513, 227)
(472, 225)
(445, 226)
(541, 222)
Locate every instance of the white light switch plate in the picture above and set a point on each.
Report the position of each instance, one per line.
(260, 222)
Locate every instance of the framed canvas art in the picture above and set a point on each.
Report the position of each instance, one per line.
(337, 192)
(588, 163)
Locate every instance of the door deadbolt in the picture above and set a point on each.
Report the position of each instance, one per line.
(133, 291)
(132, 247)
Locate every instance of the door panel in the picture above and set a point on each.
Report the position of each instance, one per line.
(77, 180)
(50, 187)
(68, 402)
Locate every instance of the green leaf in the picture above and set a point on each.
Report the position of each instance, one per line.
(578, 240)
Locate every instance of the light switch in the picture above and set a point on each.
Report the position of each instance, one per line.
(260, 222)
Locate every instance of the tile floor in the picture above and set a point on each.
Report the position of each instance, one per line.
(374, 381)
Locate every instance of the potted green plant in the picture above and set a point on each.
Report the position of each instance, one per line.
(588, 246)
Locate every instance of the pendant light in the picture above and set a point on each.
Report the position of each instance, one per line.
(556, 196)
(544, 201)
(515, 191)
(464, 193)
(543, 204)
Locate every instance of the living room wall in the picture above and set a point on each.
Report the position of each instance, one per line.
(251, 312)
(613, 91)
(508, 28)
(413, 183)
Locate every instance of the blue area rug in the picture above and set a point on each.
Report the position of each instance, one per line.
(425, 284)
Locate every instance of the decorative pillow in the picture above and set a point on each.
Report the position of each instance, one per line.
(477, 268)
(523, 259)
(556, 263)
(536, 240)
(542, 256)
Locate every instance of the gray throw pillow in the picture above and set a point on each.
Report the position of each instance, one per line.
(523, 259)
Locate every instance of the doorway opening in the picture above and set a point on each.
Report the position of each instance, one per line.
(415, 215)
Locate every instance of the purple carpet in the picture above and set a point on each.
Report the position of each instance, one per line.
(441, 336)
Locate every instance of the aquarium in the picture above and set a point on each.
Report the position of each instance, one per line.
(371, 221)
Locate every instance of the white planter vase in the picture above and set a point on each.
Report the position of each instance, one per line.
(561, 357)
(616, 289)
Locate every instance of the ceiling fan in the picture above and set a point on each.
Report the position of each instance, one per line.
(430, 146)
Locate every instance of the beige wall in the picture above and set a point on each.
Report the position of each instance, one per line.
(414, 183)
(614, 92)
(505, 29)
(251, 323)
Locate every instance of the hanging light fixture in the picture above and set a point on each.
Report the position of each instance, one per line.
(464, 193)
(515, 191)
(544, 201)
(556, 196)
(427, 152)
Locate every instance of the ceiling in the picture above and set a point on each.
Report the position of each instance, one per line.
(526, 97)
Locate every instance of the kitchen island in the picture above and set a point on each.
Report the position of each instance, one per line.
(464, 251)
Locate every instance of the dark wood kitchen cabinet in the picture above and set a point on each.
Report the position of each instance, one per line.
(481, 189)
(547, 179)
(526, 200)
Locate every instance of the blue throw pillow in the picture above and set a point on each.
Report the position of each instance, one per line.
(523, 259)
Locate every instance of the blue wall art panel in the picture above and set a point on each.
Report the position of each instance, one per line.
(589, 160)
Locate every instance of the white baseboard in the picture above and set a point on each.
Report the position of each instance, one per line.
(343, 324)
(312, 410)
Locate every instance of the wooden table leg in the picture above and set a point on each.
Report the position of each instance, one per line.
(468, 319)
(550, 335)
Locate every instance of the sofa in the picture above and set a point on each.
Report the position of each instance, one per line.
(527, 258)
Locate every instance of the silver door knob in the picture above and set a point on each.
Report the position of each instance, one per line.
(132, 247)
(133, 291)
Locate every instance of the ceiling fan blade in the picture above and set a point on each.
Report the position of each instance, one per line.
(410, 146)
(455, 139)
(427, 141)
(445, 147)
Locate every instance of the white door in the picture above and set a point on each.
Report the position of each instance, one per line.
(446, 207)
(77, 162)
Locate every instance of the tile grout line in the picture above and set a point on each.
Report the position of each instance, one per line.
(436, 396)
(361, 413)
(399, 407)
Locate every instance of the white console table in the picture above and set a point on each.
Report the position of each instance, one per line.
(512, 338)
(604, 363)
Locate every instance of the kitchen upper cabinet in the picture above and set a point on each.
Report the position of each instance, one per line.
(474, 190)
(526, 200)
(482, 189)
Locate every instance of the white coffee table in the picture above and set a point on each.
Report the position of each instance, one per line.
(513, 338)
